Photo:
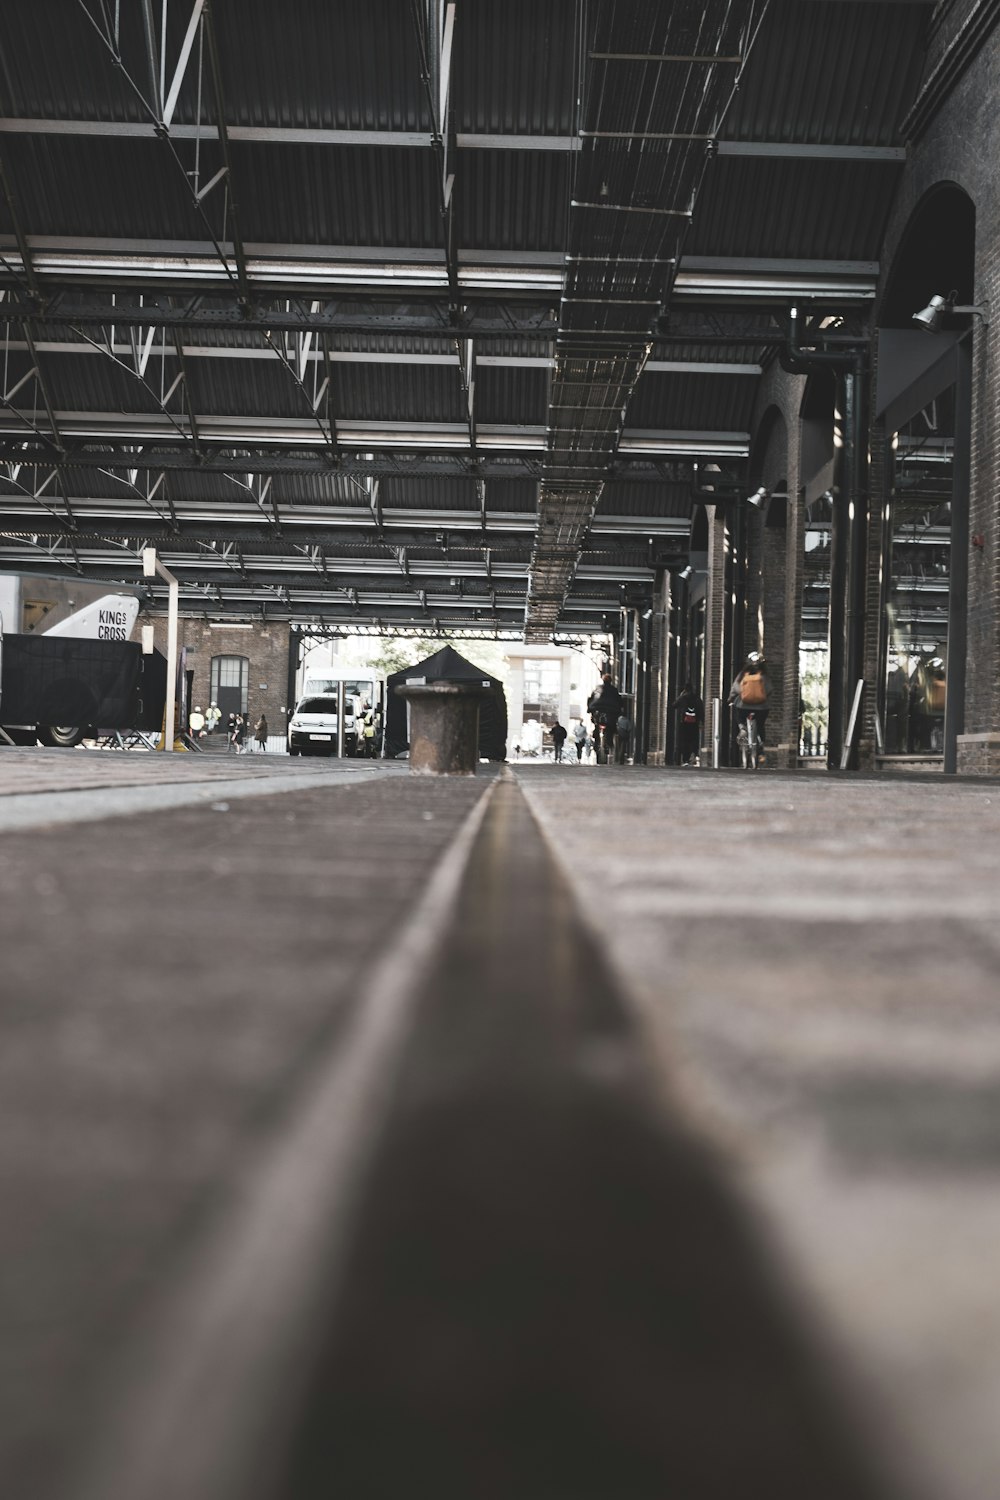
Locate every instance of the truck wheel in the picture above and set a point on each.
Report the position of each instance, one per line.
(61, 736)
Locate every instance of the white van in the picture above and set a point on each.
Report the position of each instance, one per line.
(314, 728)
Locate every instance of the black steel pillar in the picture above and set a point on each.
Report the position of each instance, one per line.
(847, 555)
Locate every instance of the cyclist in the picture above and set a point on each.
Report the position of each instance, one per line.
(750, 692)
(605, 706)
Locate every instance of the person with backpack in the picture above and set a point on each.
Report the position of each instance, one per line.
(689, 711)
(623, 729)
(750, 693)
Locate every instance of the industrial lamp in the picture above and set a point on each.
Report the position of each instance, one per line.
(759, 498)
(939, 308)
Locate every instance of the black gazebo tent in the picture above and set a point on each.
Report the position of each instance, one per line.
(447, 665)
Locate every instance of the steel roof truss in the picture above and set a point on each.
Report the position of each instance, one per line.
(183, 58)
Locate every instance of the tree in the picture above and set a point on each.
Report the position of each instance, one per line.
(402, 651)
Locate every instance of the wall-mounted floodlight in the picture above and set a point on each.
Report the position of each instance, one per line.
(759, 498)
(940, 308)
(685, 573)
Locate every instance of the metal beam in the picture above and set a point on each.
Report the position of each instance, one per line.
(181, 69)
(350, 316)
(410, 437)
(499, 545)
(152, 57)
(232, 211)
(37, 451)
(327, 270)
(464, 140)
(375, 356)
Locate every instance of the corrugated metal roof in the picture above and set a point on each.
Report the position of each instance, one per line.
(692, 401)
(93, 383)
(330, 66)
(512, 200)
(253, 388)
(426, 494)
(337, 195)
(514, 67)
(829, 73)
(55, 65)
(102, 187)
(428, 393)
(620, 498)
(765, 207)
(512, 495)
(511, 395)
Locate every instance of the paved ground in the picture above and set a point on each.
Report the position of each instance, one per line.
(333, 1148)
(816, 961)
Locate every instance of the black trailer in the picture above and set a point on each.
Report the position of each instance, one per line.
(61, 689)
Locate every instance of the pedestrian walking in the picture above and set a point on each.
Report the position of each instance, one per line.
(689, 715)
(558, 732)
(260, 732)
(580, 738)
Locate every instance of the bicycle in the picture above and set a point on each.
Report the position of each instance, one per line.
(748, 739)
(604, 741)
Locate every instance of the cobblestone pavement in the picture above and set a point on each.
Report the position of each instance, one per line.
(210, 1010)
(168, 980)
(815, 961)
(56, 786)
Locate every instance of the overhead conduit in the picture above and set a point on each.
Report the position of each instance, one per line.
(655, 84)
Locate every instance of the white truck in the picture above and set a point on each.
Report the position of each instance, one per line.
(314, 727)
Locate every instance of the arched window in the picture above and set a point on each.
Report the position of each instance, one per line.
(230, 684)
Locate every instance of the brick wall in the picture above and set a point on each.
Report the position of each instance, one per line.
(952, 145)
(266, 647)
(958, 144)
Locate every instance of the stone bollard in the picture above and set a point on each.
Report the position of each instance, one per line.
(444, 726)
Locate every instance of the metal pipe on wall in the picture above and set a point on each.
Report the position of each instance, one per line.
(958, 595)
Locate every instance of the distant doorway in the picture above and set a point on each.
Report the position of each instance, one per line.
(230, 684)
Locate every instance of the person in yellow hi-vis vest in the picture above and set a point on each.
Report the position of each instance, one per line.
(368, 738)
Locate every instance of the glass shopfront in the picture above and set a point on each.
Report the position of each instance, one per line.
(814, 645)
(916, 584)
